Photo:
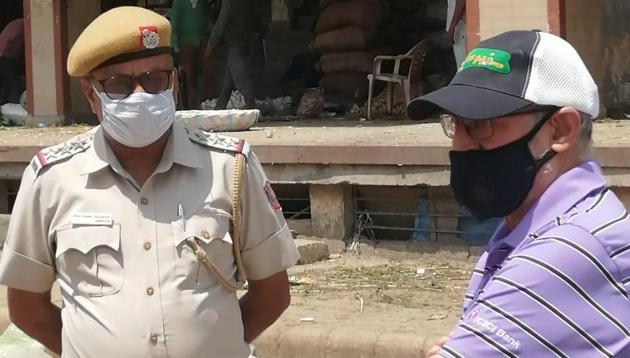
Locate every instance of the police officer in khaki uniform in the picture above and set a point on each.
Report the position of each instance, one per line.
(120, 217)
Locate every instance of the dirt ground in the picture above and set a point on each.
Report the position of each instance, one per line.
(407, 294)
(317, 132)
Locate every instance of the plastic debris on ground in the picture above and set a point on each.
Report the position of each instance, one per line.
(437, 316)
(14, 113)
(298, 281)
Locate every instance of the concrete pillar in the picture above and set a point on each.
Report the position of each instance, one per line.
(80, 14)
(583, 22)
(487, 18)
(442, 203)
(45, 51)
(332, 211)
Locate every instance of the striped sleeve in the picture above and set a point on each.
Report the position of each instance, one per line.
(559, 295)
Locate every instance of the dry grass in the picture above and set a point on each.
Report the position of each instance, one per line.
(393, 283)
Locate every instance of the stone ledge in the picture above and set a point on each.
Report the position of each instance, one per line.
(315, 342)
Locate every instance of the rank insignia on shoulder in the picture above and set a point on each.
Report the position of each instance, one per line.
(218, 141)
(271, 197)
(59, 152)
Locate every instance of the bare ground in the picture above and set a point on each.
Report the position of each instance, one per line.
(415, 297)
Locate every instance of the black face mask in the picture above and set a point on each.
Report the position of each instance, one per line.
(493, 183)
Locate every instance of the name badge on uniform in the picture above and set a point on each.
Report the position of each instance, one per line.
(100, 219)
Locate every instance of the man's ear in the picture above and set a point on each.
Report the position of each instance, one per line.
(566, 125)
(93, 100)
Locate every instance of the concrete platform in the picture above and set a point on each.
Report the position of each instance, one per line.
(341, 342)
(331, 156)
(398, 153)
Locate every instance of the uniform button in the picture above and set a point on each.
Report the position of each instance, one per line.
(205, 234)
(144, 201)
(147, 246)
(150, 291)
(154, 339)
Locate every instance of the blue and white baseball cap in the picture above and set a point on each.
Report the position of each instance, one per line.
(511, 72)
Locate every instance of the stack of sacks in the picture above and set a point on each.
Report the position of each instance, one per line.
(344, 36)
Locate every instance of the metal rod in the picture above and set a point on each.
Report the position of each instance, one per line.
(382, 213)
(294, 212)
(303, 211)
(398, 228)
(382, 199)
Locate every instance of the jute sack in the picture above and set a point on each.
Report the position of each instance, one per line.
(363, 13)
(347, 62)
(352, 38)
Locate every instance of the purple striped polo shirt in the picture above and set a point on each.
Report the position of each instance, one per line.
(557, 284)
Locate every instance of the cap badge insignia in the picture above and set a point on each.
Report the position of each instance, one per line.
(149, 37)
(488, 58)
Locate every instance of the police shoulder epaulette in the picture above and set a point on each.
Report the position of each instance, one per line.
(57, 153)
(217, 141)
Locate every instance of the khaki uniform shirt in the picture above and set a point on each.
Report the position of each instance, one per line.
(130, 286)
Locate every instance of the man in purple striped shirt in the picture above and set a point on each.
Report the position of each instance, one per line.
(553, 279)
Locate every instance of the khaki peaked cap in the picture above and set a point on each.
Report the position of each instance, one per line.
(119, 35)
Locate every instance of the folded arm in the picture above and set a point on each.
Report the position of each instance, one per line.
(34, 314)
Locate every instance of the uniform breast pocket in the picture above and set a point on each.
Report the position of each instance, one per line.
(211, 231)
(89, 259)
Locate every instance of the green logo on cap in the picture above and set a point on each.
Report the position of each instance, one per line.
(488, 58)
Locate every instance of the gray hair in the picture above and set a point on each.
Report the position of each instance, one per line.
(585, 136)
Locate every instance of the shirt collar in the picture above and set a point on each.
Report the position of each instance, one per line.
(569, 189)
(178, 150)
(99, 154)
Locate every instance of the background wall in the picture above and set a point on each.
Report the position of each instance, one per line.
(80, 14)
(42, 36)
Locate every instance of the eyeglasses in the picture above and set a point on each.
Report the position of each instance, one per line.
(119, 87)
(482, 129)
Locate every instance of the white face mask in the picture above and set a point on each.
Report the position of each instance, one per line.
(138, 120)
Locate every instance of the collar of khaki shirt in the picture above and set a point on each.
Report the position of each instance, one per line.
(179, 149)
